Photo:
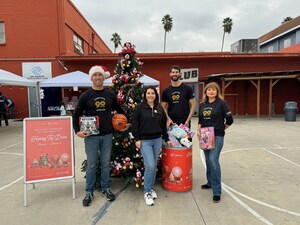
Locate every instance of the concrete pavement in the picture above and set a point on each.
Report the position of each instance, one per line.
(260, 173)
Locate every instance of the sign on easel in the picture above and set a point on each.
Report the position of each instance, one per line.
(48, 150)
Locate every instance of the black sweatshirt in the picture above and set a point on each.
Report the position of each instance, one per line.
(97, 103)
(149, 123)
(215, 114)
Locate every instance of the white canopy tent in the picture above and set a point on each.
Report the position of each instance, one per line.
(73, 79)
(80, 79)
(8, 78)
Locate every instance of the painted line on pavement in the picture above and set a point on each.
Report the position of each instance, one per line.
(249, 209)
(10, 153)
(255, 200)
(262, 203)
(281, 157)
(11, 146)
(244, 205)
(8, 185)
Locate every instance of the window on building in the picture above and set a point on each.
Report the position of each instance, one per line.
(2, 33)
(78, 44)
(287, 42)
(271, 48)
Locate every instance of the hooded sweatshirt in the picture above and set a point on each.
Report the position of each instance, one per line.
(149, 123)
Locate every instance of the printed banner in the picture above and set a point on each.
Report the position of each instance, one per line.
(37, 71)
(48, 149)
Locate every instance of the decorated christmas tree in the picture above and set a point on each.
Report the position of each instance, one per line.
(127, 160)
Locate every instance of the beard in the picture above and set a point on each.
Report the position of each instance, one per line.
(175, 78)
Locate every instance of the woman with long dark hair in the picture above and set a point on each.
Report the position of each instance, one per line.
(149, 126)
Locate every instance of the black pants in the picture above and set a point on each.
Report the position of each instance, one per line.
(4, 116)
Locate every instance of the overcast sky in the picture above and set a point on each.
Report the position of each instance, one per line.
(197, 24)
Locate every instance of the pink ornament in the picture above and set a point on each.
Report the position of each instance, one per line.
(65, 157)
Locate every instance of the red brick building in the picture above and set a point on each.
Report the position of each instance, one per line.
(38, 31)
(55, 31)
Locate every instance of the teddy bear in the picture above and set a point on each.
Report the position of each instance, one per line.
(185, 141)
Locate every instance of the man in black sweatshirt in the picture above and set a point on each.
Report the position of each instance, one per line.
(97, 102)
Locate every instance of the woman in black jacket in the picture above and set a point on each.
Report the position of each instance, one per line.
(215, 113)
(149, 126)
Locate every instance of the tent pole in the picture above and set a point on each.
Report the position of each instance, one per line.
(38, 100)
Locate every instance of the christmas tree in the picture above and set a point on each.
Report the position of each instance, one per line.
(126, 158)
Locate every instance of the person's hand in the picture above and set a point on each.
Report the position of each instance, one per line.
(82, 134)
(127, 127)
(138, 144)
(187, 123)
(170, 143)
(198, 133)
(169, 122)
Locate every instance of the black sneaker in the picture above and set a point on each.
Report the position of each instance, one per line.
(205, 186)
(108, 195)
(216, 198)
(87, 199)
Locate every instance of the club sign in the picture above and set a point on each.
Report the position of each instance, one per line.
(189, 75)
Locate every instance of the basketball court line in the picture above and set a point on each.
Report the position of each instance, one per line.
(8, 185)
(15, 181)
(244, 205)
(10, 153)
(253, 199)
(11, 146)
(229, 190)
(281, 157)
(261, 203)
(249, 209)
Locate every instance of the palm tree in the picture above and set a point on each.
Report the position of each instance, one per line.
(116, 39)
(286, 19)
(167, 22)
(227, 26)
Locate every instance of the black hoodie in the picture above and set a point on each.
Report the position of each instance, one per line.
(149, 123)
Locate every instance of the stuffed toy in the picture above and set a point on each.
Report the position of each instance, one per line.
(174, 141)
(179, 136)
(178, 132)
(185, 141)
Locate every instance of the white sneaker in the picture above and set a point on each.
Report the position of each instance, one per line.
(153, 194)
(148, 198)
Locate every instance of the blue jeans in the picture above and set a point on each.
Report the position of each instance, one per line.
(95, 146)
(11, 112)
(150, 151)
(213, 168)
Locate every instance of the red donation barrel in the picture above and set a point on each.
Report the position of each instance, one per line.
(177, 169)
